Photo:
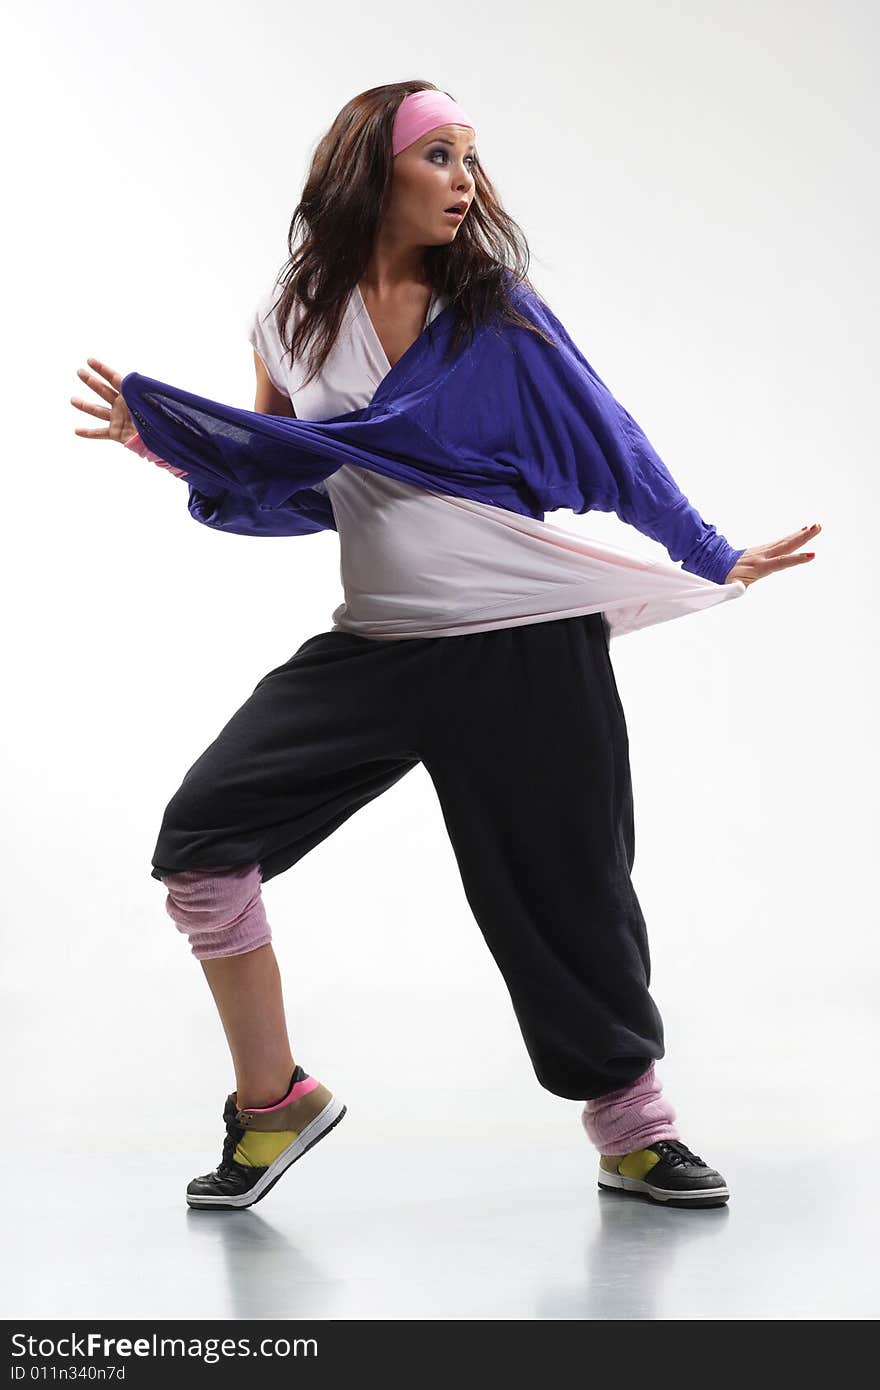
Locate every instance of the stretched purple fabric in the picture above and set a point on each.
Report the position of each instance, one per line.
(507, 419)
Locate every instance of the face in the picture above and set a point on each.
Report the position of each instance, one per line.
(431, 175)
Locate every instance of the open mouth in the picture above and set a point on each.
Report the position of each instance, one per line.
(458, 209)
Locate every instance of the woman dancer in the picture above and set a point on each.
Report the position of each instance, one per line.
(473, 639)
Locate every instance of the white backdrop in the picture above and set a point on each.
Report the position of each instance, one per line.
(695, 186)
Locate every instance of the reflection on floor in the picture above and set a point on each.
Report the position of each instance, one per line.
(442, 1231)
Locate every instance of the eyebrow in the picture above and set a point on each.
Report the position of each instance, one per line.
(442, 140)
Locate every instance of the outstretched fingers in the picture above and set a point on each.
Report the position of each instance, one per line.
(785, 562)
(114, 377)
(100, 388)
(780, 555)
(793, 541)
(108, 390)
(101, 412)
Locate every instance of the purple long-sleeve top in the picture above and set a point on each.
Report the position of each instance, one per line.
(508, 419)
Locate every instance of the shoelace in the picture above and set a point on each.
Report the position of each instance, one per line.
(234, 1132)
(677, 1153)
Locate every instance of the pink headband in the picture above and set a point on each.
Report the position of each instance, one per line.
(420, 112)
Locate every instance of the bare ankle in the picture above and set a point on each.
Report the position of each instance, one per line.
(268, 1089)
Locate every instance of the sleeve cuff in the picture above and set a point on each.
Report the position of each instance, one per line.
(713, 558)
(137, 446)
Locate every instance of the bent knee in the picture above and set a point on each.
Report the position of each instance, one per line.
(220, 910)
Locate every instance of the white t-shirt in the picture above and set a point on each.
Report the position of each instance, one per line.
(416, 563)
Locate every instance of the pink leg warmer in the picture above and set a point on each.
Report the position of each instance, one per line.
(631, 1118)
(221, 910)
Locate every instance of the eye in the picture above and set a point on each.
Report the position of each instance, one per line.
(442, 151)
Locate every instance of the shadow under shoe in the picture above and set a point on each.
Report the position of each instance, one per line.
(665, 1171)
(261, 1144)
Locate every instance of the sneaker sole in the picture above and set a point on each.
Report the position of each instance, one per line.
(635, 1187)
(322, 1124)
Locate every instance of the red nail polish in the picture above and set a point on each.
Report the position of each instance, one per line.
(809, 554)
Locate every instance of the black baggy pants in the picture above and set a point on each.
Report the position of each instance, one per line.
(522, 732)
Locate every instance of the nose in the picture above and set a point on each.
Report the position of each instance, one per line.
(465, 180)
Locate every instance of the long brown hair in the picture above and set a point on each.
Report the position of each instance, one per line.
(334, 224)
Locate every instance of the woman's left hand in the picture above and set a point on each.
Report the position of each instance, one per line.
(761, 560)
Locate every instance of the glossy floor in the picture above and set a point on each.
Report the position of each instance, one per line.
(496, 1227)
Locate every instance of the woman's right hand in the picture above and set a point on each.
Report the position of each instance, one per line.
(119, 422)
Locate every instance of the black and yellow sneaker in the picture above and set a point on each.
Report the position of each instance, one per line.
(262, 1142)
(665, 1171)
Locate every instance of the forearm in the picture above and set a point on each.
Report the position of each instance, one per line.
(599, 458)
(688, 538)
